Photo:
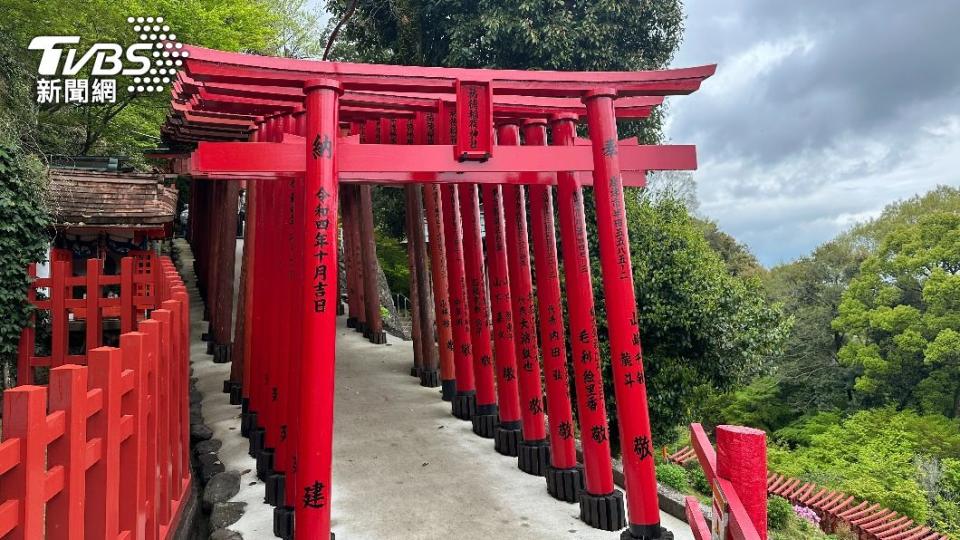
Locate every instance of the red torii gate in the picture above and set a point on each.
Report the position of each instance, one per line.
(270, 121)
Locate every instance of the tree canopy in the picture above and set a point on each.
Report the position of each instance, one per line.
(130, 125)
(901, 317)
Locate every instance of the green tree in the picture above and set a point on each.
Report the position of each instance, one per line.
(704, 330)
(901, 317)
(809, 374)
(520, 34)
(738, 258)
(130, 125)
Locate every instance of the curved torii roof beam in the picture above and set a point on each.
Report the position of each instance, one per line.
(211, 65)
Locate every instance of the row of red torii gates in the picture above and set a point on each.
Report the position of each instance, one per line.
(309, 139)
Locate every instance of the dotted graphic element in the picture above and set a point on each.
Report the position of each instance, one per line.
(167, 54)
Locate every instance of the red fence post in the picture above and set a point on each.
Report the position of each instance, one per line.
(169, 316)
(179, 292)
(152, 361)
(441, 292)
(485, 418)
(59, 322)
(730, 518)
(534, 450)
(68, 393)
(24, 480)
(128, 313)
(102, 520)
(315, 444)
(133, 465)
(94, 320)
(599, 491)
(622, 324)
(742, 459)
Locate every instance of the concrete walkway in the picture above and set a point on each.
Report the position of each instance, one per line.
(404, 468)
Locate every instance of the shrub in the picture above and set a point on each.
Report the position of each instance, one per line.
(872, 455)
(779, 513)
(698, 480)
(673, 475)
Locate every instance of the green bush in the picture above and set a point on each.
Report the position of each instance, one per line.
(801, 431)
(873, 455)
(698, 480)
(779, 513)
(674, 476)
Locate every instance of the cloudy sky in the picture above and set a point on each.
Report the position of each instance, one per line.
(821, 113)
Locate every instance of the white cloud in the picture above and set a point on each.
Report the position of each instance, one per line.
(820, 114)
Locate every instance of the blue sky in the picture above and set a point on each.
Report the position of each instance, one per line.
(821, 113)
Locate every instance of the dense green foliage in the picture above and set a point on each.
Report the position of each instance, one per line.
(901, 318)
(883, 455)
(673, 475)
(130, 125)
(395, 262)
(864, 398)
(704, 330)
(30, 133)
(829, 298)
(23, 239)
(779, 513)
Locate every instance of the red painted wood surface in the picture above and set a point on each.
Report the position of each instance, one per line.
(623, 327)
(373, 161)
(740, 526)
(209, 64)
(563, 454)
(584, 345)
(521, 296)
(69, 297)
(102, 451)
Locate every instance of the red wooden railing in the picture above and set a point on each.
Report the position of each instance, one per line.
(136, 285)
(869, 521)
(739, 513)
(103, 450)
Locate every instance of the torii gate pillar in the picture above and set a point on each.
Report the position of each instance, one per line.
(630, 387)
(315, 444)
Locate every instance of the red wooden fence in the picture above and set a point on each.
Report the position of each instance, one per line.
(868, 521)
(133, 293)
(103, 450)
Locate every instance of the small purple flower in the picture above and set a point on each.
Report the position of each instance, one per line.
(806, 514)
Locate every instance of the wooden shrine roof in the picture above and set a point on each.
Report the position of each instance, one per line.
(84, 198)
